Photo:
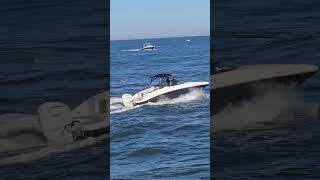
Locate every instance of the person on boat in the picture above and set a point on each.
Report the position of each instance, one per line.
(174, 82)
(168, 81)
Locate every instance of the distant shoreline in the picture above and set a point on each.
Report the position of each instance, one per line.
(160, 38)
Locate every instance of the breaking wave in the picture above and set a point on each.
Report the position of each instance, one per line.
(276, 106)
(116, 105)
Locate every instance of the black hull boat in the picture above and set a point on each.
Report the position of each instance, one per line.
(233, 85)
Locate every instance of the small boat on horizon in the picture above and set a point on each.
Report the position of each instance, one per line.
(148, 46)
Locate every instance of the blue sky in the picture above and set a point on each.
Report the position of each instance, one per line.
(138, 19)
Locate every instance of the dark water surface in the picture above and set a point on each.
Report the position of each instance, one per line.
(49, 51)
(277, 135)
(168, 139)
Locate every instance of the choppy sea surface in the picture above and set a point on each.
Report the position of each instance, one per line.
(168, 139)
(276, 135)
(49, 51)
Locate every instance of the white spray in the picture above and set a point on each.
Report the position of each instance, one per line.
(272, 105)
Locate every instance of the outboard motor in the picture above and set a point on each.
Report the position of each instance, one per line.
(127, 100)
(57, 123)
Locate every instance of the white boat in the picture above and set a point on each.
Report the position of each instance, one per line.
(148, 46)
(167, 87)
(61, 124)
(234, 84)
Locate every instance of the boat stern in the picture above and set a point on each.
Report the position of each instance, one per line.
(127, 100)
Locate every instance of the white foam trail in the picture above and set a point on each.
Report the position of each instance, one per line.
(50, 149)
(21, 139)
(116, 105)
(19, 131)
(194, 95)
(137, 50)
(131, 50)
(275, 105)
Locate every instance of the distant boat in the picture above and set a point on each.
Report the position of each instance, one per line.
(148, 46)
(188, 40)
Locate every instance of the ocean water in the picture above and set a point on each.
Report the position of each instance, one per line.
(49, 51)
(275, 136)
(168, 139)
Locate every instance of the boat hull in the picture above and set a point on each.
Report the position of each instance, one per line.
(172, 94)
(235, 94)
(148, 48)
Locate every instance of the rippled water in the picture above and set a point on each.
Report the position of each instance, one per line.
(275, 136)
(49, 51)
(166, 139)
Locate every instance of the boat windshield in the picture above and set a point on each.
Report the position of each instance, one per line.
(220, 68)
(163, 80)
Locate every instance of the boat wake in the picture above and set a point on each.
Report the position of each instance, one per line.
(131, 50)
(116, 105)
(278, 106)
(19, 131)
(137, 50)
(22, 140)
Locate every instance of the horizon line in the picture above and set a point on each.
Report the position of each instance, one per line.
(159, 37)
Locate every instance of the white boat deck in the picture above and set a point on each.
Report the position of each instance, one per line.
(251, 73)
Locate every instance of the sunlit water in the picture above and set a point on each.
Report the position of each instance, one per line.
(166, 139)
